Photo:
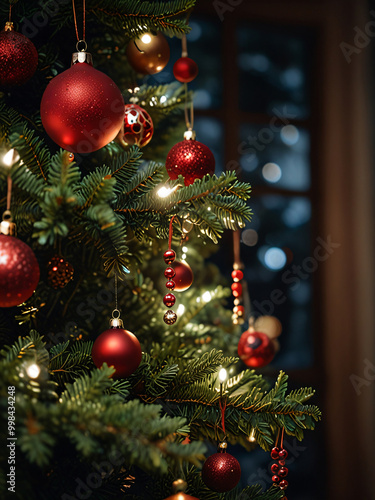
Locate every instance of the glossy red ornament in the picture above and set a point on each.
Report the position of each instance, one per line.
(169, 257)
(275, 468)
(170, 285)
(138, 126)
(18, 58)
(169, 273)
(236, 289)
(283, 454)
(118, 348)
(82, 109)
(283, 472)
(148, 54)
(221, 472)
(239, 310)
(191, 159)
(184, 276)
(283, 484)
(19, 271)
(185, 69)
(274, 451)
(256, 349)
(169, 300)
(282, 463)
(237, 275)
(275, 479)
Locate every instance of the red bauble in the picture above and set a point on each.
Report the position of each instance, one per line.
(255, 349)
(221, 472)
(169, 256)
(19, 271)
(237, 275)
(169, 300)
(185, 69)
(275, 451)
(82, 109)
(184, 276)
(148, 54)
(169, 273)
(138, 126)
(191, 159)
(18, 58)
(118, 348)
(236, 289)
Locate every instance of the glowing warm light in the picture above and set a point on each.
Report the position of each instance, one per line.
(162, 99)
(251, 438)
(223, 374)
(180, 309)
(271, 172)
(11, 157)
(163, 192)
(206, 297)
(183, 256)
(33, 370)
(146, 38)
(184, 249)
(275, 258)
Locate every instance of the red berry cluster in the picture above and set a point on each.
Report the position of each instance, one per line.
(278, 469)
(170, 317)
(238, 309)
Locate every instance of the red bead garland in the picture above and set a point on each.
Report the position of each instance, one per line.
(278, 470)
(238, 309)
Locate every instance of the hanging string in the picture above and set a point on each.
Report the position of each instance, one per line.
(84, 21)
(189, 122)
(170, 233)
(223, 406)
(116, 298)
(277, 438)
(10, 12)
(282, 438)
(9, 192)
(184, 52)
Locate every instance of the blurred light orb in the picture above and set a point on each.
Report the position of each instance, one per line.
(271, 172)
(275, 258)
(289, 135)
(250, 237)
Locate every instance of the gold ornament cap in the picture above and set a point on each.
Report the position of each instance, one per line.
(7, 226)
(9, 26)
(81, 56)
(179, 485)
(222, 447)
(190, 135)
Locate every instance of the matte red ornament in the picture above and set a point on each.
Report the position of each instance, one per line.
(256, 350)
(118, 348)
(148, 54)
(221, 472)
(82, 109)
(138, 126)
(236, 289)
(184, 276)
(275, 451)
(169, 273)
(169, 300)
(191, 159)
(237, 275)
(169, 257)
(18, 58)
(185, 69)
(19, 271)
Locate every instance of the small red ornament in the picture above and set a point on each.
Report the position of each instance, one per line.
(82, 109)
(169, 300)
(138, 126)
(169, 257)
(169, 273)
(282, 463)
(118, 348)
(170, 317)
(148, 54)
(283, 454)
(191, 159)
(221, 472)
(18, 57)
(283, 472)
(60, 272)
(275, 479)
(275, 453)
(19, 271)
(185, 69)
(170, 285)
(283, 484)
(236, 289)
(184, 276)
(237, 275)
(255, 349)
(275, 468)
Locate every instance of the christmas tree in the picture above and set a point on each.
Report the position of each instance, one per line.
(91, 231)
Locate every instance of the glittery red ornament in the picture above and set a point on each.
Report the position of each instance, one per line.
(19, 271)
(148, 54)
(255, 349)
(138, 126)
(119, 348)
(191, 159)
(221, 472)
(18, 57)
(82, 109)
(184, 276)
(185, 69)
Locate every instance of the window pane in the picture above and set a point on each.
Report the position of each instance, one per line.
(274, 69)
(210, 131)
(277, 154)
